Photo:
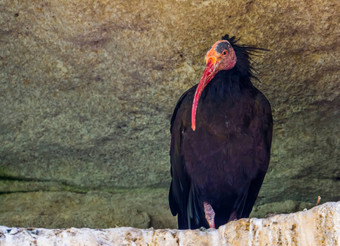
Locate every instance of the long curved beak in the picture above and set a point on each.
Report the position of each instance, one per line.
(208, 74)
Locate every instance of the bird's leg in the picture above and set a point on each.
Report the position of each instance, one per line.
(209, 214)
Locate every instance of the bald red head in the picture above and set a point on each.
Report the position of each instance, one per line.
(221, 56)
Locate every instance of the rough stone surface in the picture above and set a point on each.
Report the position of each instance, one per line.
(87, 89)
(318, 226)
(139, 208)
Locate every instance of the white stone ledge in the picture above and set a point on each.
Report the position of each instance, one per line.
(317, 226)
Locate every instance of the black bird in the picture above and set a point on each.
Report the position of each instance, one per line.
(221, 132)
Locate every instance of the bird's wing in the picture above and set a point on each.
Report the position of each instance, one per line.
(182, 196)
(262, 153)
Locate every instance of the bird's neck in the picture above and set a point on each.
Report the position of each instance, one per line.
(226, 84)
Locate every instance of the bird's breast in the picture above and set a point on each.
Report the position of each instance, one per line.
(217, 152)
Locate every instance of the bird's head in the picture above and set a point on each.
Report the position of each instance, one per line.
(221, 56)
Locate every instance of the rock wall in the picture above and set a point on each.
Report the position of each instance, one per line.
(87, 89)
(318, 226)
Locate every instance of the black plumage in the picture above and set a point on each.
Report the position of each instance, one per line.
(223, 162)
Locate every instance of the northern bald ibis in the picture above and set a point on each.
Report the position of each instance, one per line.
(221, 133)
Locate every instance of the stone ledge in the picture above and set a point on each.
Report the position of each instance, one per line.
(317, 226)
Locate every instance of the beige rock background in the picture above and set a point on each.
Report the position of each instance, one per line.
(318, 226)
(87, 89)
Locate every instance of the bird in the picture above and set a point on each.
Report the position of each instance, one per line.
(221, 134)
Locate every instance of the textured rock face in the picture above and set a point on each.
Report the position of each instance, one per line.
(319, 226)
(87, 89)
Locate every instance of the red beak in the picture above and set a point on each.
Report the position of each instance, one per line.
(209, 73)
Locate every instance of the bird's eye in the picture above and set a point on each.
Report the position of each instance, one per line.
(224, 52)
